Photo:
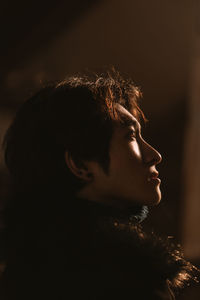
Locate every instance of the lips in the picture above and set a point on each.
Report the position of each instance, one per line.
(154, 177)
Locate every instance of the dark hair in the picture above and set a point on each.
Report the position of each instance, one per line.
(44, 231)
(75, 115)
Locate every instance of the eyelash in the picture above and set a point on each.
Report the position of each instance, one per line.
(133, 135)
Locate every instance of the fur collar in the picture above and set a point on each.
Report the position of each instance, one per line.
(120, 239)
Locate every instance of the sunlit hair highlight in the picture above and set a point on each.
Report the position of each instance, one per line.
(74, 115)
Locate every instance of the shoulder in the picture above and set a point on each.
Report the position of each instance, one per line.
(136, 260)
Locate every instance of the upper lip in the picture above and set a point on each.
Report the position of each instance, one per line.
(154, 174)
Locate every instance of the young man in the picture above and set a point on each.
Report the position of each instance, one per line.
(82, 180)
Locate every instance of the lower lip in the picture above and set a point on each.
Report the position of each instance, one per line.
(154, 180)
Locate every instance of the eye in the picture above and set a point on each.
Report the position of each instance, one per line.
(132, 135)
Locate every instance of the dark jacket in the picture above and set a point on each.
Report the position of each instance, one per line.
(90, 251)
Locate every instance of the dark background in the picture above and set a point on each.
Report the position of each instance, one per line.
(150, 41)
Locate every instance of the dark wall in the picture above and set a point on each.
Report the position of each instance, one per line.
(150, 41)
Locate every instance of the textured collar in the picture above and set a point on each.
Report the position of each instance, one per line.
(134, 214)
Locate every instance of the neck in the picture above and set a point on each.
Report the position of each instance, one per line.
(107, 210)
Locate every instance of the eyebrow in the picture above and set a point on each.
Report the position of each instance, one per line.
(130, 122)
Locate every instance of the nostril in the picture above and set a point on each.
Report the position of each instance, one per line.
(150, 154)
(156, 157)
(159, 159)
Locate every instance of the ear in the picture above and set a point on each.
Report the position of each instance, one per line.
(80, 171)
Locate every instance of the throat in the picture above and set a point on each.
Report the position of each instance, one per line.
(133, 215)
(129, 215)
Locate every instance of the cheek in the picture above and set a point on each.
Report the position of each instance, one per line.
(126, 160)
(134, 150)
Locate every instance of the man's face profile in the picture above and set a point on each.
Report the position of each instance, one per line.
(132, 177)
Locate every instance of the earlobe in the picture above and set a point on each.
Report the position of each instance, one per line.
(81, 172)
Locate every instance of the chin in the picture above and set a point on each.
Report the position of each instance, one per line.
(153, 199)
(156, 199)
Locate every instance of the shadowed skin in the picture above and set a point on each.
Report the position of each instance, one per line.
(132, 162)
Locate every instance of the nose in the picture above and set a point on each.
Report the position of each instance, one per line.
(150, 155)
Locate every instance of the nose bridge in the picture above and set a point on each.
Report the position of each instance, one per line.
(150, 154)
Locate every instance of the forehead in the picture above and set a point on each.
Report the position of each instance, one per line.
(126, 118)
